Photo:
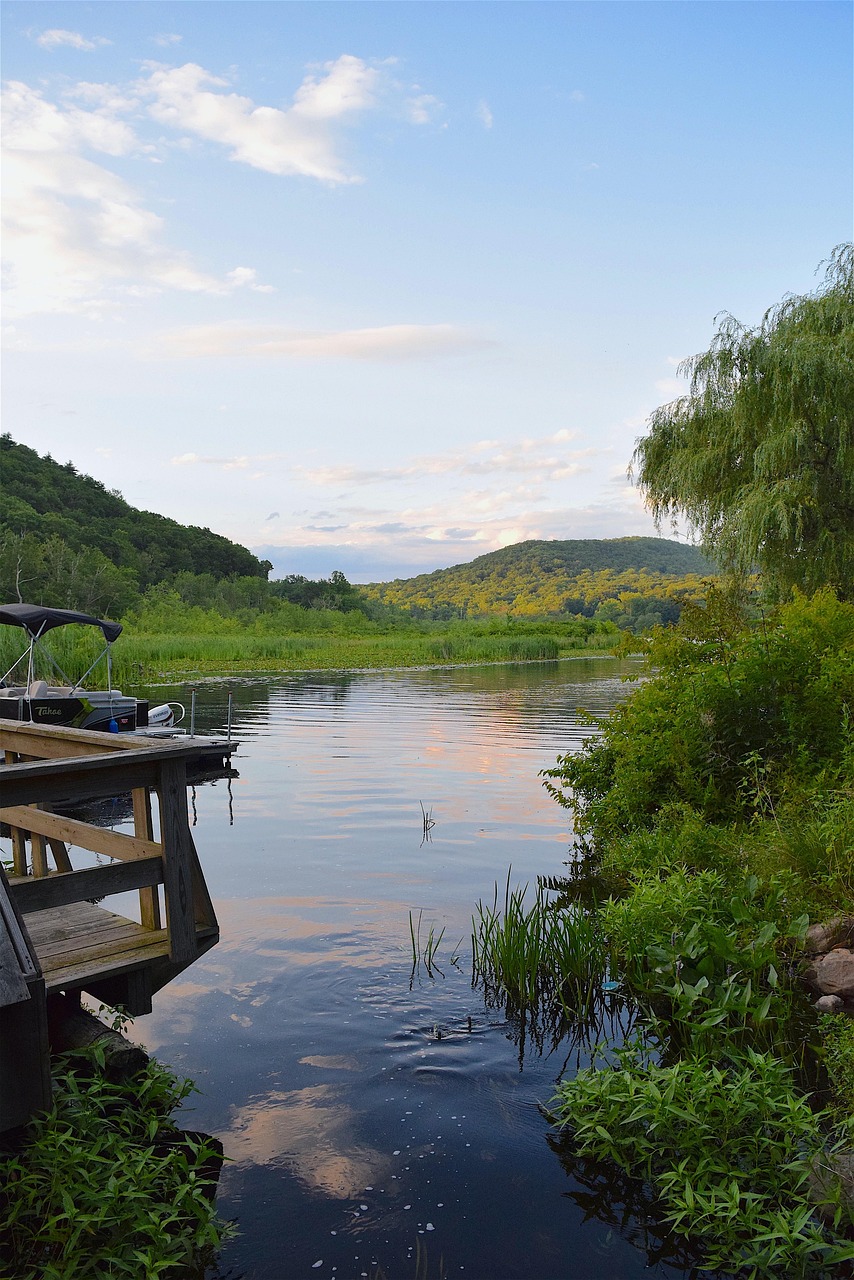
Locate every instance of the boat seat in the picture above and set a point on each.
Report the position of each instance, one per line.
(38, 689)
(14, 691)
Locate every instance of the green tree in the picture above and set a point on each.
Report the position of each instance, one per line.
(759, 456)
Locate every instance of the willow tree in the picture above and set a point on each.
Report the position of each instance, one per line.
(759, 456)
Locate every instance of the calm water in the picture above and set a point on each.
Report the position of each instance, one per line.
(369, 1112)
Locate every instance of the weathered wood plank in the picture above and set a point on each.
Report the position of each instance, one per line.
(39, 854)
(178, 850)
(59, 921)
(114, 844)
(58, 741)
(143, 825)
(65, 944)
(95, 882)
(108, 954)
(60, 854)
(19, 852)
(86, 971)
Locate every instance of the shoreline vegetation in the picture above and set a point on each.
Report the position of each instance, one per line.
(715, 816)
(141, 658)
(105, 1183)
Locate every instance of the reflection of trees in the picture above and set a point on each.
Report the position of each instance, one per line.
(606, 1194)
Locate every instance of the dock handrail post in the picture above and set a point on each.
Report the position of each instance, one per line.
(192, 712)
(230, 708)
(178, 851)
(149, 899)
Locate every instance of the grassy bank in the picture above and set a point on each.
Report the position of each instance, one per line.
(140, 657)
(716, 812)
(105, 1185)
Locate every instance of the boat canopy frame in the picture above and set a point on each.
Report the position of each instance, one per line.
(36, 620)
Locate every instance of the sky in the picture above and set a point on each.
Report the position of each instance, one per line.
(380, 287)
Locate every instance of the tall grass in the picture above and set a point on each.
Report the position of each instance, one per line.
(138, 659)
(495, 649)
(540, 956)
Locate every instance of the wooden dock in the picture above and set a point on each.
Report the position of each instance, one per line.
(53, 925)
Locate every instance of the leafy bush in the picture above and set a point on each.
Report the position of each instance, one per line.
(728, 1149)
(738, 721)
(102, 1187)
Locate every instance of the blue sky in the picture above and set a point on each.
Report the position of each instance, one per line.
(384, 286)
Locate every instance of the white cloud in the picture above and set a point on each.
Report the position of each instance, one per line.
(56, 37)
(76, 236)
(577, 96)
(79, 237)
(671, 387)
(167, 38)
(423, 108)
(484, 114)
(194, 459)
(297, 141)
(248, 276)
(387, 342)
(537, 460)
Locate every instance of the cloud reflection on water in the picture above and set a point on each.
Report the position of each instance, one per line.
(309, 1131)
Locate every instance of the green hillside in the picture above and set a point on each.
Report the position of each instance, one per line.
(579, 576)
(44, 497)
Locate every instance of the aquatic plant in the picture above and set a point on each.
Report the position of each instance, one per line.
(729, 1150)
(424, 950)
(537, 955)
(104, 1184)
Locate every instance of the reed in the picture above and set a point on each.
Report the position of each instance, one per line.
(538, 957)
(140, 658)
(424, 950)
(495, 649)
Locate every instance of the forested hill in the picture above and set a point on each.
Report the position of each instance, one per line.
(44, 499)
(537, 577)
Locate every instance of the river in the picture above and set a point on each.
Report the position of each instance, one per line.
(379, 1120)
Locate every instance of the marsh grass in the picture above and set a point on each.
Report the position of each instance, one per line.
(140, 658)
(425, 949)
(538, 956)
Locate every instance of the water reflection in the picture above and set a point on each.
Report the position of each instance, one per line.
(311, 1131)
(365, 1108)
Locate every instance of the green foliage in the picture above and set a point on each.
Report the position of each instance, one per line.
(837, 1038)
(728, 1148)
(704, 954)
(642, 582)
(759, 456)
(718, 808)
(45, 499)
(530, 957)
(99, 1189)
(733, 725)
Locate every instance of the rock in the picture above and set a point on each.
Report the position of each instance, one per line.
(829, 1004)
(833, 933)
(834, 973)
(832, 1183)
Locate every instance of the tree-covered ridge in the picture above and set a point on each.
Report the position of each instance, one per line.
(625, 577)
(45, 500)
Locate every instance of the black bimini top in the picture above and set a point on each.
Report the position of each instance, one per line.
(36, 619)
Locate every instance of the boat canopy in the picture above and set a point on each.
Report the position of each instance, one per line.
(36, 619)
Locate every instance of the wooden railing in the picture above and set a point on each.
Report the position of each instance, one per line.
(45, 767)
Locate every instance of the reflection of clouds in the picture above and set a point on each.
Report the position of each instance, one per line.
(331, 1061)
(303, 931)
(308, 1131)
